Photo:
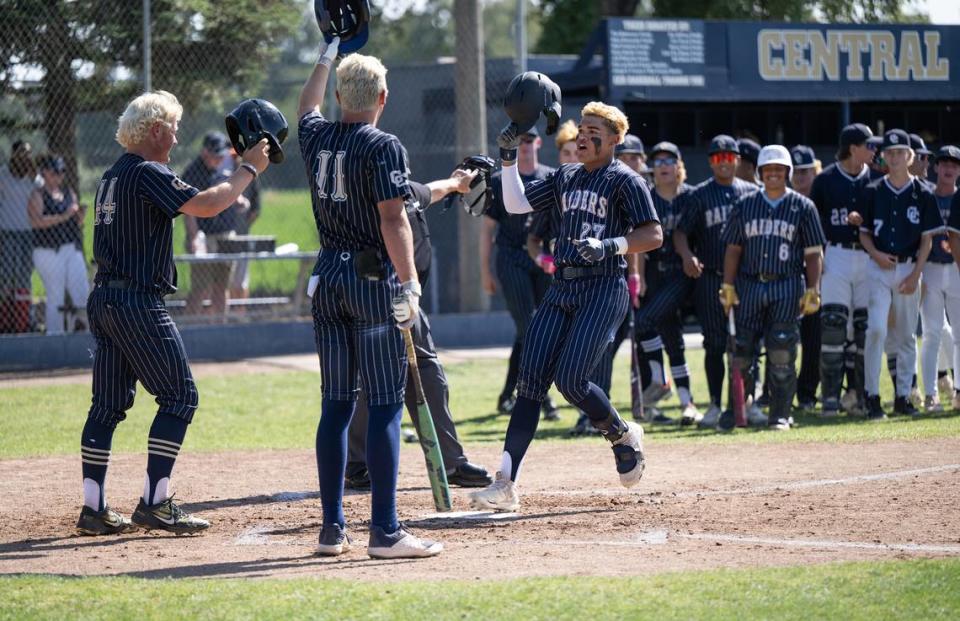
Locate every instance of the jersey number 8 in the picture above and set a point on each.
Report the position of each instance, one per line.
(339, 194)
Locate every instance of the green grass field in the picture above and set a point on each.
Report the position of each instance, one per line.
(279, 411)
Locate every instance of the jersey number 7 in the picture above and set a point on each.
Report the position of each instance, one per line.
(338, 190)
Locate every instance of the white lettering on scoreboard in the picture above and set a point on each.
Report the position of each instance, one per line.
(856, 55)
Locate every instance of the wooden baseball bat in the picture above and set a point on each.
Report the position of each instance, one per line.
(427, 434)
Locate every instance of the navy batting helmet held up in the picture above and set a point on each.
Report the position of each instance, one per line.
(347, 19)
(253, 120)
(528, 95)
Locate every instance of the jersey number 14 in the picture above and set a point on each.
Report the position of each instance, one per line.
(322, 178)
(105, 203)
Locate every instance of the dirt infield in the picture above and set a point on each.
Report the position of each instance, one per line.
(699, 506)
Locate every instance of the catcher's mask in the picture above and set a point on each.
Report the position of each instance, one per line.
(528, 95)
(347, 19)
(477, 200)
(253, 120)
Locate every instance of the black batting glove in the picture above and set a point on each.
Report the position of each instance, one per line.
(508, 140)
(595, 250)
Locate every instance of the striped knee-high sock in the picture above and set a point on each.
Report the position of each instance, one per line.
(163, 446)
(95, 441)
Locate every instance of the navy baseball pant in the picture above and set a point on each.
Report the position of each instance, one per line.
(713, 324)
(523, 285)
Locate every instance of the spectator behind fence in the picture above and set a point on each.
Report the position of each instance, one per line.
(210, 280)
(58, 245)
(248, 210)
(17, 181)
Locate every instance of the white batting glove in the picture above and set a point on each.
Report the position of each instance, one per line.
(406, 306)
(328, 52)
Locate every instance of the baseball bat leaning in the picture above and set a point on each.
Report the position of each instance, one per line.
(636, 393)
(736, 379)
(427, 433)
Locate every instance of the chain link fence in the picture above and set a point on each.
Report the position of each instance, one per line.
(67, 70)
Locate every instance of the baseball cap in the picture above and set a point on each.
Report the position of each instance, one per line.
(896, 139)
(918, 145)
(56, 164)
(532, 132)
(723, 143)
(948, 152)
(749, 150)
(803, 157)
(666, 147)
(875, 142)
(216, 142)
(630, 144)
(856, 133)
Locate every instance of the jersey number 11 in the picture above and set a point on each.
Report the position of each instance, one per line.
(338, 191)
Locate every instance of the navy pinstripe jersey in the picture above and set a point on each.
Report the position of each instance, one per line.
(512, 228)
(773, 233)
(836, 194)
(607, 202)
(953, 222)
(351, 167)
(704, 212)
(898, 218)
(940, 253)
(669, 213)
(136, 203)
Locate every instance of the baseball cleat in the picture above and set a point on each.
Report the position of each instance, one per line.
(333, 540)
(806, 405)
(106, 522)
(690, 415)
(711, 418)
(357, 477)
(628, 452)
(956, 401)
(469, 475)
(727, 422)
(931, 403)
(915, 398)
(657, 417)
(400, 544)
(780, 424)
(550, 410)
(584, 427)
(904, 406)
(763, 400)
(945, 384)
(168, 516)
(830, 408)
(874, 409)
(500, 496)
(849, 402)
(655, 393)
(755, 416)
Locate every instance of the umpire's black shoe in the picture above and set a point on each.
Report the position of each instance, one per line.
(106, 522)
(727, 421)
(505, 403)
(874, 409)
(357, 477)
(168, 516)
(903, 405)
(469, 475)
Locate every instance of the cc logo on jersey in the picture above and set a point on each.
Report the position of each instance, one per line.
(913, 214)
(179, 184)
(397, 178)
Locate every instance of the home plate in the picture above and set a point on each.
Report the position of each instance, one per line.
(469, 515)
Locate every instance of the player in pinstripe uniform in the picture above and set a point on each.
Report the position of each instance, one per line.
(136, 202)
(697, 239)
(522, 281)
(941, 284)
(845, 286)
(952, 153)
(364, 287)
(607, 212)
(664, 287)
(773, 238)
(900, 217)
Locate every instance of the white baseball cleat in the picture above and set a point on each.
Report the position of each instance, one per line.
(931, 403)
(501, 495)
(400, 544)
(945, 384)
(628, 451)
(690, 415)
(711, 418)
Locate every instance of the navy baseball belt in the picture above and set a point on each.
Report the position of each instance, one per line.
(767, 277)
(847, 245)
(909, 259)
(123, 284)
(573, 272)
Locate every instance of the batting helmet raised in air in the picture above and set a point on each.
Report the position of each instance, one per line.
(528, 95)
(775, 154)
(347, 19)
(253, 120)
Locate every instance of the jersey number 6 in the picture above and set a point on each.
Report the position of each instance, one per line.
(338, 192)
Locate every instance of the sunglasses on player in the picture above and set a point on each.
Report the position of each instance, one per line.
(724, 157)
(664, 161)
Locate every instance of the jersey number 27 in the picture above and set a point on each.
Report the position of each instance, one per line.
(338, 194)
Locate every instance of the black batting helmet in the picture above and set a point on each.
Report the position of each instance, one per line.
(253, 120)
(347, 19)
(528, 95)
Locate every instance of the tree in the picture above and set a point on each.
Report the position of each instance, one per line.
(88, 55)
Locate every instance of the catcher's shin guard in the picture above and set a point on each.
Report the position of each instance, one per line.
(833, 322)
(860, 339)
(781, 357)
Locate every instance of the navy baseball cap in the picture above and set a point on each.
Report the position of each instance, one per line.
(54, 163)
(665, 147)
(749, 150)
(856, 133)
(630, 144)
(803, 157)
(918, 145)
(216, 142)
(948, 152)
(723, 144)
(896, 139)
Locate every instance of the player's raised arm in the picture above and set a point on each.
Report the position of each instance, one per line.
(315, 88)
(216, 198)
